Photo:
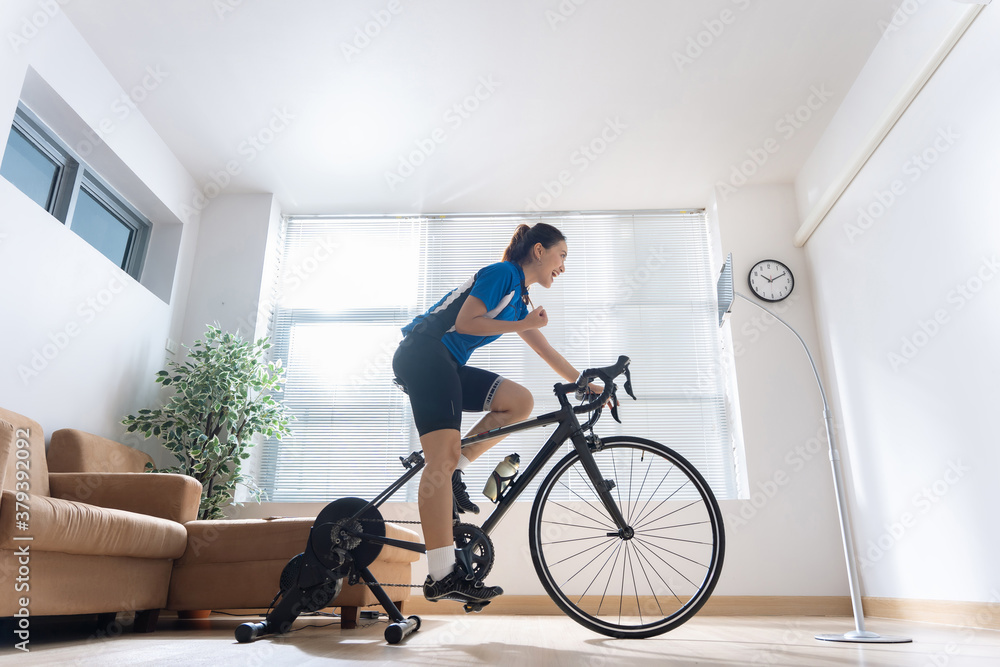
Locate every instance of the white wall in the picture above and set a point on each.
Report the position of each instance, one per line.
(915, 362)
(229, 265)
(82, 340)
(784, 538)
(916, 29)
(231, 279)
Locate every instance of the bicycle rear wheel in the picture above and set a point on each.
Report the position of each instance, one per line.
(637, 582)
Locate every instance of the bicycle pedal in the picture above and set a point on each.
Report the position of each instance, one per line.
(475, 606)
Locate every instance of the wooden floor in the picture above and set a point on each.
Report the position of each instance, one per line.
(446, 641)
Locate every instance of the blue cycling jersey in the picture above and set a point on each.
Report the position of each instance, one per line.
(498, 286)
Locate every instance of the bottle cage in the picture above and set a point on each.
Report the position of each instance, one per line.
(501, 482)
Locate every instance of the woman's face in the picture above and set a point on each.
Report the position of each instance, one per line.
(553, 263)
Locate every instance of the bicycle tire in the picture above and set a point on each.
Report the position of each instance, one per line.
(697, 540)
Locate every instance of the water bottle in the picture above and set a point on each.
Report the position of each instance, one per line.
(505, 471)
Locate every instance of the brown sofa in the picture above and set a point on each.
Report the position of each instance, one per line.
(227, 564)
(86, 542)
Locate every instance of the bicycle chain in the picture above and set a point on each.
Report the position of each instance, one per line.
(389, 521)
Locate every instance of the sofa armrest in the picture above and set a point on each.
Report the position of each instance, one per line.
(6, 450)
(71, 450)
(165, 495)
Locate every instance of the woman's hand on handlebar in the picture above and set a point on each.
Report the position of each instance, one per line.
(597, 390)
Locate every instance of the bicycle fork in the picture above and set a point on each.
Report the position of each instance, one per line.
(601, 485)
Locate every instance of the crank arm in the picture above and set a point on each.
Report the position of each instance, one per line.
(390, 542)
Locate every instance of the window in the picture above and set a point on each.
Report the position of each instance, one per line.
(30, 168)
(639, 284)
(103, 221)
(42, 167)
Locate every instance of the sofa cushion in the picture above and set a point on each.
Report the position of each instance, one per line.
(166, 495)
(71, 450)
(253, 585)
(63, 584)
(238, 540)
(76, 528)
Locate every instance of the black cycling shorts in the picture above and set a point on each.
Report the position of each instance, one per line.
(440, 388)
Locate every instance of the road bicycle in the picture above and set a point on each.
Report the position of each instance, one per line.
(625, 534)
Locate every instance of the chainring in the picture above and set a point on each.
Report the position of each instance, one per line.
(474, 549)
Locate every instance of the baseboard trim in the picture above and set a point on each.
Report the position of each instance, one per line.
(984, 615)
(717, 605)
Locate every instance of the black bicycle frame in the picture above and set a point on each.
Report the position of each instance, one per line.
(569, 429)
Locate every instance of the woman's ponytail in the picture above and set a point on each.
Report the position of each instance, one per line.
(514, 249)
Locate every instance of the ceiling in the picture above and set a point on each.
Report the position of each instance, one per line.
(393, 106)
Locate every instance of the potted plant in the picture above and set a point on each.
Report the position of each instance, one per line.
(222, 399)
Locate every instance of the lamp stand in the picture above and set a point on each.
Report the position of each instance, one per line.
(859, 634)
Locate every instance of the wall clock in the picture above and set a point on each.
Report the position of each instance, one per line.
(771, 280)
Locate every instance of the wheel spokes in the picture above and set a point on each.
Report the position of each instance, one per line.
(666, 553)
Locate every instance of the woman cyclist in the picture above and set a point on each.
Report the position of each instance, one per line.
(431, 364)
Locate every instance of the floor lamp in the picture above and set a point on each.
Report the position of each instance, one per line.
(859, 634)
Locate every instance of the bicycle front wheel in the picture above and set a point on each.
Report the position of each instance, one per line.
(647, 578)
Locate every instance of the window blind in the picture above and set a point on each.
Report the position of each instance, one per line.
(636, 283)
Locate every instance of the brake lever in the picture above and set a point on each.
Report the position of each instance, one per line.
(628, 384)
(615, 403)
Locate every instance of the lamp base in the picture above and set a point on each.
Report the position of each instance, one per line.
(864, 638)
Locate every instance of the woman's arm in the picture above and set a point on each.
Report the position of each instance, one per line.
(471, 320)
(537, 341)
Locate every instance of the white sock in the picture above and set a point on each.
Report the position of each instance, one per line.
(463, 462)
(440, 562)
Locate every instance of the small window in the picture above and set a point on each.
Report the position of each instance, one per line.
(41, 166)
(104, 223)
(30, 169)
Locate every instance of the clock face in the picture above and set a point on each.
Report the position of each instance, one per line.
(771, 280)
